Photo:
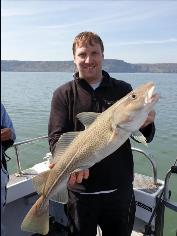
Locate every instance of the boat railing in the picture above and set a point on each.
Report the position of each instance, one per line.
(171, 205)
(20, 171)
(16, 147)
(150, 159)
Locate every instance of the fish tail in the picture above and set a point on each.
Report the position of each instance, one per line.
(37, 220)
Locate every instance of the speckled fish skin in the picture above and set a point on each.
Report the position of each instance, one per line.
(102, 137)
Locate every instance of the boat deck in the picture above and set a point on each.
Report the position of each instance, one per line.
(142, 184)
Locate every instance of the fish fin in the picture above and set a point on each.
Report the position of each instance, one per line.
(39, 181)
(36, 221)
(139, 137)
(87, 118)
(63, 143)
(114, 135)
(61, 196)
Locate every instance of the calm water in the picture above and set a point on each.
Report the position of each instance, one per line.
(27, 98)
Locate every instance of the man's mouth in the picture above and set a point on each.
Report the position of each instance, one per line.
(89, 67)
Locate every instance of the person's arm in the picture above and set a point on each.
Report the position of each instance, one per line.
(58, 120)
(148, 128)
(59, 124)
(7, 130)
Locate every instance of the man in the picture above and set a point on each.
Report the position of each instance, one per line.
(102, 195)
(7, 140)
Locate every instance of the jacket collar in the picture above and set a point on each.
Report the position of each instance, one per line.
(104, 83)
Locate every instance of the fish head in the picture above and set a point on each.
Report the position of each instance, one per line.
(132, 110)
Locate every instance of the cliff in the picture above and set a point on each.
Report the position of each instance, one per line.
(110, 65)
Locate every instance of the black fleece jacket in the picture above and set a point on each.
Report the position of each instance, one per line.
(114, 171)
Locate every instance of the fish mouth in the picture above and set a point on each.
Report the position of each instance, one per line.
(151, 97)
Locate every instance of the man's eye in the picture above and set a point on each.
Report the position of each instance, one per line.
(81, 55)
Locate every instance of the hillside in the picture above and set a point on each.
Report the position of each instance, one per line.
(110, 65)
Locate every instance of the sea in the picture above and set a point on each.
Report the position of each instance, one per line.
(27, 98)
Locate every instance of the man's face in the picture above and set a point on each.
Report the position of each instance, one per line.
(88, 59)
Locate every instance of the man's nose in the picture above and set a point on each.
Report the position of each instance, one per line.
(88, 59)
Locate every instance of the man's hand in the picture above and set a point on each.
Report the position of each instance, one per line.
(6, 134)
(75, 177)
(51, 165)
(150, 119)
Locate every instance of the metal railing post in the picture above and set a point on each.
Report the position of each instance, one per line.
(19, 170)
(149, 157)
(16, 145)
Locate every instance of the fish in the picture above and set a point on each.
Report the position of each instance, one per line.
(104, 133)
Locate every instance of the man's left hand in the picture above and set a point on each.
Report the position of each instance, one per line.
(150, 119)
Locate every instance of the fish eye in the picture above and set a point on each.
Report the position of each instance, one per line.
(133, 96)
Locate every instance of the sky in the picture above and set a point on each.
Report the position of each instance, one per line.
(133, 31)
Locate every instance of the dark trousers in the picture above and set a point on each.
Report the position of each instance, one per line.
(113, 212)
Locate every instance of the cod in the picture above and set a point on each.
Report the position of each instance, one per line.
(104, 133)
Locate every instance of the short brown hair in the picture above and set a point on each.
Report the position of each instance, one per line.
(87, 37)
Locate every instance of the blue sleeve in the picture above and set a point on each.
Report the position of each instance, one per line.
(6, 122)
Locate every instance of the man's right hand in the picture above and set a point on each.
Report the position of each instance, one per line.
(75, 177)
